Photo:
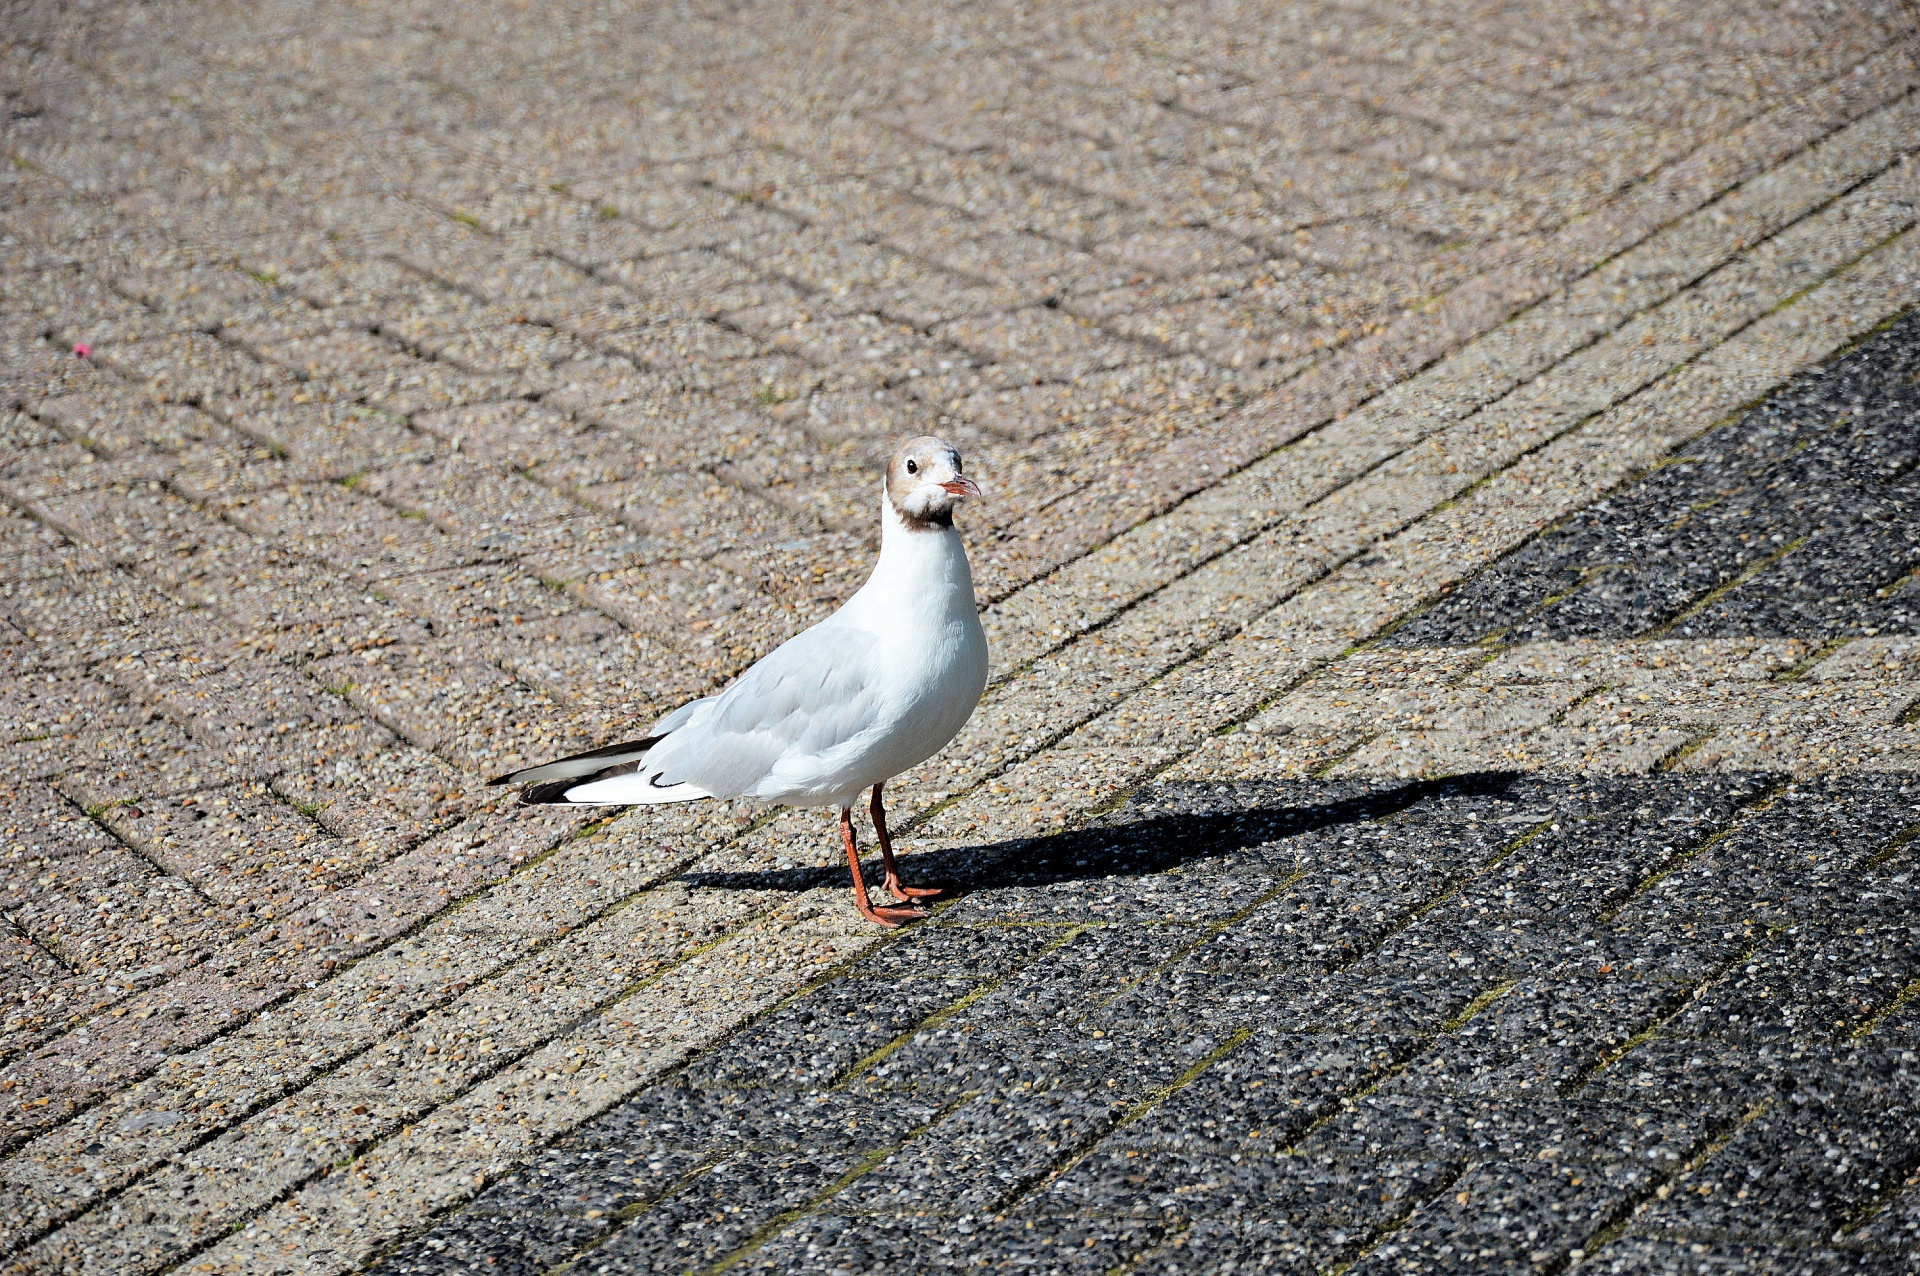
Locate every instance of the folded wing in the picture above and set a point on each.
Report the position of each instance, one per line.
(553, 782)
(766, 734)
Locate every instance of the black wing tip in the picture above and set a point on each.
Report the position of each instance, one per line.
(552, 793)
(604, 751)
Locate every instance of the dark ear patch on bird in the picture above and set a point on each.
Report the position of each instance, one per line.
(918, 461)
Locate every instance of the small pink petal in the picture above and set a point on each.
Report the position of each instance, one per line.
(82, 349)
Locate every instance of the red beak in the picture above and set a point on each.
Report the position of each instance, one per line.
(961, 487)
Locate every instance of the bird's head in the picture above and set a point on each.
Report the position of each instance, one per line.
(924, 483)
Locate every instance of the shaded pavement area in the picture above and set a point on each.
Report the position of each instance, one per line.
(1448, 1026)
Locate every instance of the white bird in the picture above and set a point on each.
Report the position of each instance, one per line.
(874, 689)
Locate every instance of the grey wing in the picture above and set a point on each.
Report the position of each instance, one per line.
(815, 691)
(596, 760)
(679, 717)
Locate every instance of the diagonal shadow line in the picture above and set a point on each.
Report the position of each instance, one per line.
(1121, 847)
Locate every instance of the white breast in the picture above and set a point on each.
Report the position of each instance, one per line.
(929, 659)
(878, 687)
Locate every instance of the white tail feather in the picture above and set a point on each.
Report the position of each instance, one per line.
(632, 789)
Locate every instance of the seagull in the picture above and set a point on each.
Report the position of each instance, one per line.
(874, 689)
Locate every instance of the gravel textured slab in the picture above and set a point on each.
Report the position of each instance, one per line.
(1495, 1015)
(1798, 520)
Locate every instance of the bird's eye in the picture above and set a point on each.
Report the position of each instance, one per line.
(913, 467)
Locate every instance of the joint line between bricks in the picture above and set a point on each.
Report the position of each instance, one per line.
(1706, 1148)
(873, 1058)
(479, 1078)
(429, 1006)
(73, 971)
(1204, 653)
(618, 1223)
(1730, 258)
(1650, 1028)
(780, 1222)
(95, 815)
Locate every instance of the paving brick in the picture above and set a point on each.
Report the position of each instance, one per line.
(190, 366)
(96, 906)
(334, 523)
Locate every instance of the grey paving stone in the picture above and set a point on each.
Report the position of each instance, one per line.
(1053, 1245)
(990, 1149)
(1793, 520)
(1710, 1258)
(1505, 1216)
(812, 1043)
(1201, 1109)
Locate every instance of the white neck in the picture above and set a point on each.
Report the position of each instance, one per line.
(921, 571)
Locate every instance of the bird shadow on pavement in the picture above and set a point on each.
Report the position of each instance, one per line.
(1160, 828)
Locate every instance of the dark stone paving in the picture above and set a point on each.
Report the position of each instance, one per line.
(1467, 1025)
(1808, 507)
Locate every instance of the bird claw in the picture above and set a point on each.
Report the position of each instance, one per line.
(890, 917)
(903, 891)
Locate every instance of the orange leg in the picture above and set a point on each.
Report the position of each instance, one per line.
(861, 901)
(900, 889)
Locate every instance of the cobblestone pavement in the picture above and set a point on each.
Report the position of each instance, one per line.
(1447, 797)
